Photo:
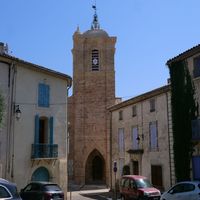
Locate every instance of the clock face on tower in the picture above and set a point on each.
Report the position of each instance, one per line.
(95, 61)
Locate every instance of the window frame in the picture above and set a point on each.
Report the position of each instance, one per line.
(120, 115)
(196, 66)
(134, 136)
(152, 105)
(152, 146)
(95, 55)
(43, 95)
(134, 111)
(121, 140)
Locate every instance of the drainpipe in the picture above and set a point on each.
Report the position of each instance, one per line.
(170, 159)
(10, 121)
(67, 135)
(9, 166)
(111, 150)
(13, 120)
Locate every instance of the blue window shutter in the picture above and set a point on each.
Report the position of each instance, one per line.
(153, 135)
(51, 130)
(43, 95)
(47, 96)
(134, 137)
(121, 140)
(40, 92)
(37, 126)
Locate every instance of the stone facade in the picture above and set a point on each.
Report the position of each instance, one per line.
(35, 144)
(93, 91)
(140, 137)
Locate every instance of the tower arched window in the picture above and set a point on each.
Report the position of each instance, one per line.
(95, 60)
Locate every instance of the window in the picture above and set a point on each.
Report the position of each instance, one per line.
(135, 137)
(153, 135)
(43, 130)
(4, 193)
(121, 140)
(43, 95)
(182, 187)
(152, 105)
(120, 115)
(134, 111)
(95, 60)
(44, 146)
(196, 69)
(121, 165)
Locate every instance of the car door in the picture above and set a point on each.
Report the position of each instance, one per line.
(132, 189)
(30, 192)
(182, 191)
(126, 189)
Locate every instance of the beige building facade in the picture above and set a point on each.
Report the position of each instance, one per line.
(34, 131)
(140, 137)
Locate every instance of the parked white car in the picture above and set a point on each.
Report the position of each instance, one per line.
(187, 190)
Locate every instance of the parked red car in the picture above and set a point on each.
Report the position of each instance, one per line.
(134, 187)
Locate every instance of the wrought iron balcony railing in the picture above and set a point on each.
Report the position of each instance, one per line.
(137, 149)
(44, 151)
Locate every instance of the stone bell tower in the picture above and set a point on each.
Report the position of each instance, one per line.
(93, 92)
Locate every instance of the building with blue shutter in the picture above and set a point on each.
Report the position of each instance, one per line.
(34, 129)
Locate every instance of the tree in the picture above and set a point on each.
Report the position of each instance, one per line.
(184, 110)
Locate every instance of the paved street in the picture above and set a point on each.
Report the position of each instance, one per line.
(99, 194)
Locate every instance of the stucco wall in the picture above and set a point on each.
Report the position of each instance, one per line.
(142, 120)
(24, 129)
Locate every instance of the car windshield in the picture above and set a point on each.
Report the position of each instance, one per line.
(52, 187)
(143, 183)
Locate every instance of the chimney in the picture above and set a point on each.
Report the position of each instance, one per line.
(3, 48)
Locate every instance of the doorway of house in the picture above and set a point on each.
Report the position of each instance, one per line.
(40, 174)
(95, 168)
(135, 165)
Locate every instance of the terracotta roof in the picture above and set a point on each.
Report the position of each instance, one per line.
(190, 52)
(141, 97)
(11, 59)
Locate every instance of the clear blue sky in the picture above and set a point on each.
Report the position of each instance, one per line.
(149, 32)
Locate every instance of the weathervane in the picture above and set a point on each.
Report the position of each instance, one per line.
(95, 23)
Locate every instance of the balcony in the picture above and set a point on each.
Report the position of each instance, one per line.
(48, 151)
(137, 149)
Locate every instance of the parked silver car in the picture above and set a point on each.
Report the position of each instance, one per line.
(187, 190)
(8, 190)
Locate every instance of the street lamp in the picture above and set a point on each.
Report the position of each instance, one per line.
(17, 112)
(139, 138)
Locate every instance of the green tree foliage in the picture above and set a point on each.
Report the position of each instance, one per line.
(184, 110)
(1, 108)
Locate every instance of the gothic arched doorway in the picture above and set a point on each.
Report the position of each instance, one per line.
(95, 168)
(40, 174)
